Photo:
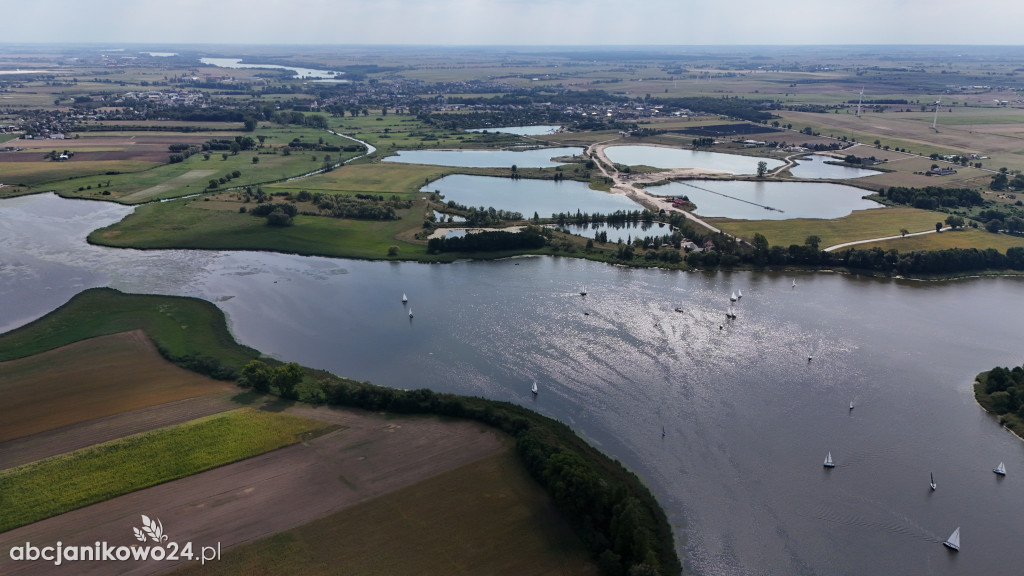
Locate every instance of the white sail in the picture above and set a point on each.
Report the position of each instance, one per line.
(932, 475)
(828, 461)
(739, 293)
(410, 312)
(954, 540)
(1001, 469)
(404, 298)
(534, 389)
(733, 297)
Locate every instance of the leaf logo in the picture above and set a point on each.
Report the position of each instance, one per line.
(153, 528)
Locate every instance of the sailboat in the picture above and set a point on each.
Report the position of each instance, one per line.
(662, 431)
(404, 299)
(410, 312)
(739, 294)
(584, 291)
(733, 297)
(933, 480)
(1001, 469)
(851, 405)
(794, 282)
(828, 461)
(953, 542)
(534, 388)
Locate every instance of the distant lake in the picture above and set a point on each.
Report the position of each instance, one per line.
(662, 157)
(535, 158)
(442, 217)
(745, 200)
(819, 168)
(300, 72)
(546, 197)
(521, 130)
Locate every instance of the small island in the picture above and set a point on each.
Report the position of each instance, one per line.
(1001, 392)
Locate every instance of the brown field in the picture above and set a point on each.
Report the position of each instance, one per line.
(76, 436)
(190, 176)
(281, 490)
(92, 379)
(488, 517)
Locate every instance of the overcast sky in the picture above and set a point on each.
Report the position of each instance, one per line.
(513, 22)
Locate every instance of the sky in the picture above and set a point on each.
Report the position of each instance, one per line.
(512, 22)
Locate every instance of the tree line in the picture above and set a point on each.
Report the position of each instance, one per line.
(1001, 391)
(489, 241)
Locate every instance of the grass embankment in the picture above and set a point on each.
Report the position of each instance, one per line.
(488, 517)
(56, 485)
(960, 238)
(999, 391)
(859, 225)
(91, 379)
(187, 330)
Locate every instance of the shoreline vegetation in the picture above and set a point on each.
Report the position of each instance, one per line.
(1000, 392)
(611, 510)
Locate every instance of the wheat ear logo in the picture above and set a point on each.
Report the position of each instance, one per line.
(152, 528)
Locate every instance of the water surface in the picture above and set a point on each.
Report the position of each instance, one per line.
(748, 418)
(535, 158)
(820, 168)
(747, 200)
(520, 130)
(546, 197)
(663, 157)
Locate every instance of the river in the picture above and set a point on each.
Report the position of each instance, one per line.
(748, 418)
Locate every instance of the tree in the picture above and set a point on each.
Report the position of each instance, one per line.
(255, 159)
(256, 374)
(999, 182)
(904, 232)
(393, 250)
(812, 242)
(287, 377)
(954, 221)
(938, 226)
(762, 169)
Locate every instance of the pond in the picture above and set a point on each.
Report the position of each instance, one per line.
(545, 197)
(748, 200)
(664, 157)
(534, 158)
(521, 130)
(625, 232)
(819, 167)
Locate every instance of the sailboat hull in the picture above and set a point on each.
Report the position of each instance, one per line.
(951, 546)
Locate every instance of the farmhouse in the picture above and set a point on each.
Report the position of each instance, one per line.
(944, 171)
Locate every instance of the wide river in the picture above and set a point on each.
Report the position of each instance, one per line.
(748, 418)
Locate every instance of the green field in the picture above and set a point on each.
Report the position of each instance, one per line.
(488, 517)
(189, 224)
(382, 178)
(181, 326)
(961, 238)
(860, 225)
(56, 485)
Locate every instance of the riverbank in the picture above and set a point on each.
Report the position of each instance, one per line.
(997, 396)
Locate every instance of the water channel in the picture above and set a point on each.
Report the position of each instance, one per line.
(748, 418)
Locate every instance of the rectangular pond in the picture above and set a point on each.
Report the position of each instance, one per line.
(545, 197)
(664, 157)
(534, 158)
(747, 200)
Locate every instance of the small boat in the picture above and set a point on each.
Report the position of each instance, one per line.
(679, 308)
(933, 480)
(739, 294)
(733, 297)
(534, 388)
(851, 405)
(1001, 469)
(953, 542)
(410, 312)
(809, 358)
(584, 291)
(730, 314)
(662, 431)
(828, 461)
(404, 299)
(794, 283)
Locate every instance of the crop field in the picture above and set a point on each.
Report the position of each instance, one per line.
(91, 379)
(56, 485)
(51, 175)
(961, 238)
(383, 178)
(488, 517)
(860, 225)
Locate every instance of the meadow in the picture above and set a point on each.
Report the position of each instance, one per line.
(960, 238)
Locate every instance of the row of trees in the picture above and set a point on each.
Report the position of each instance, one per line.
(933, 197)
(489, 241)
(1001, 391)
